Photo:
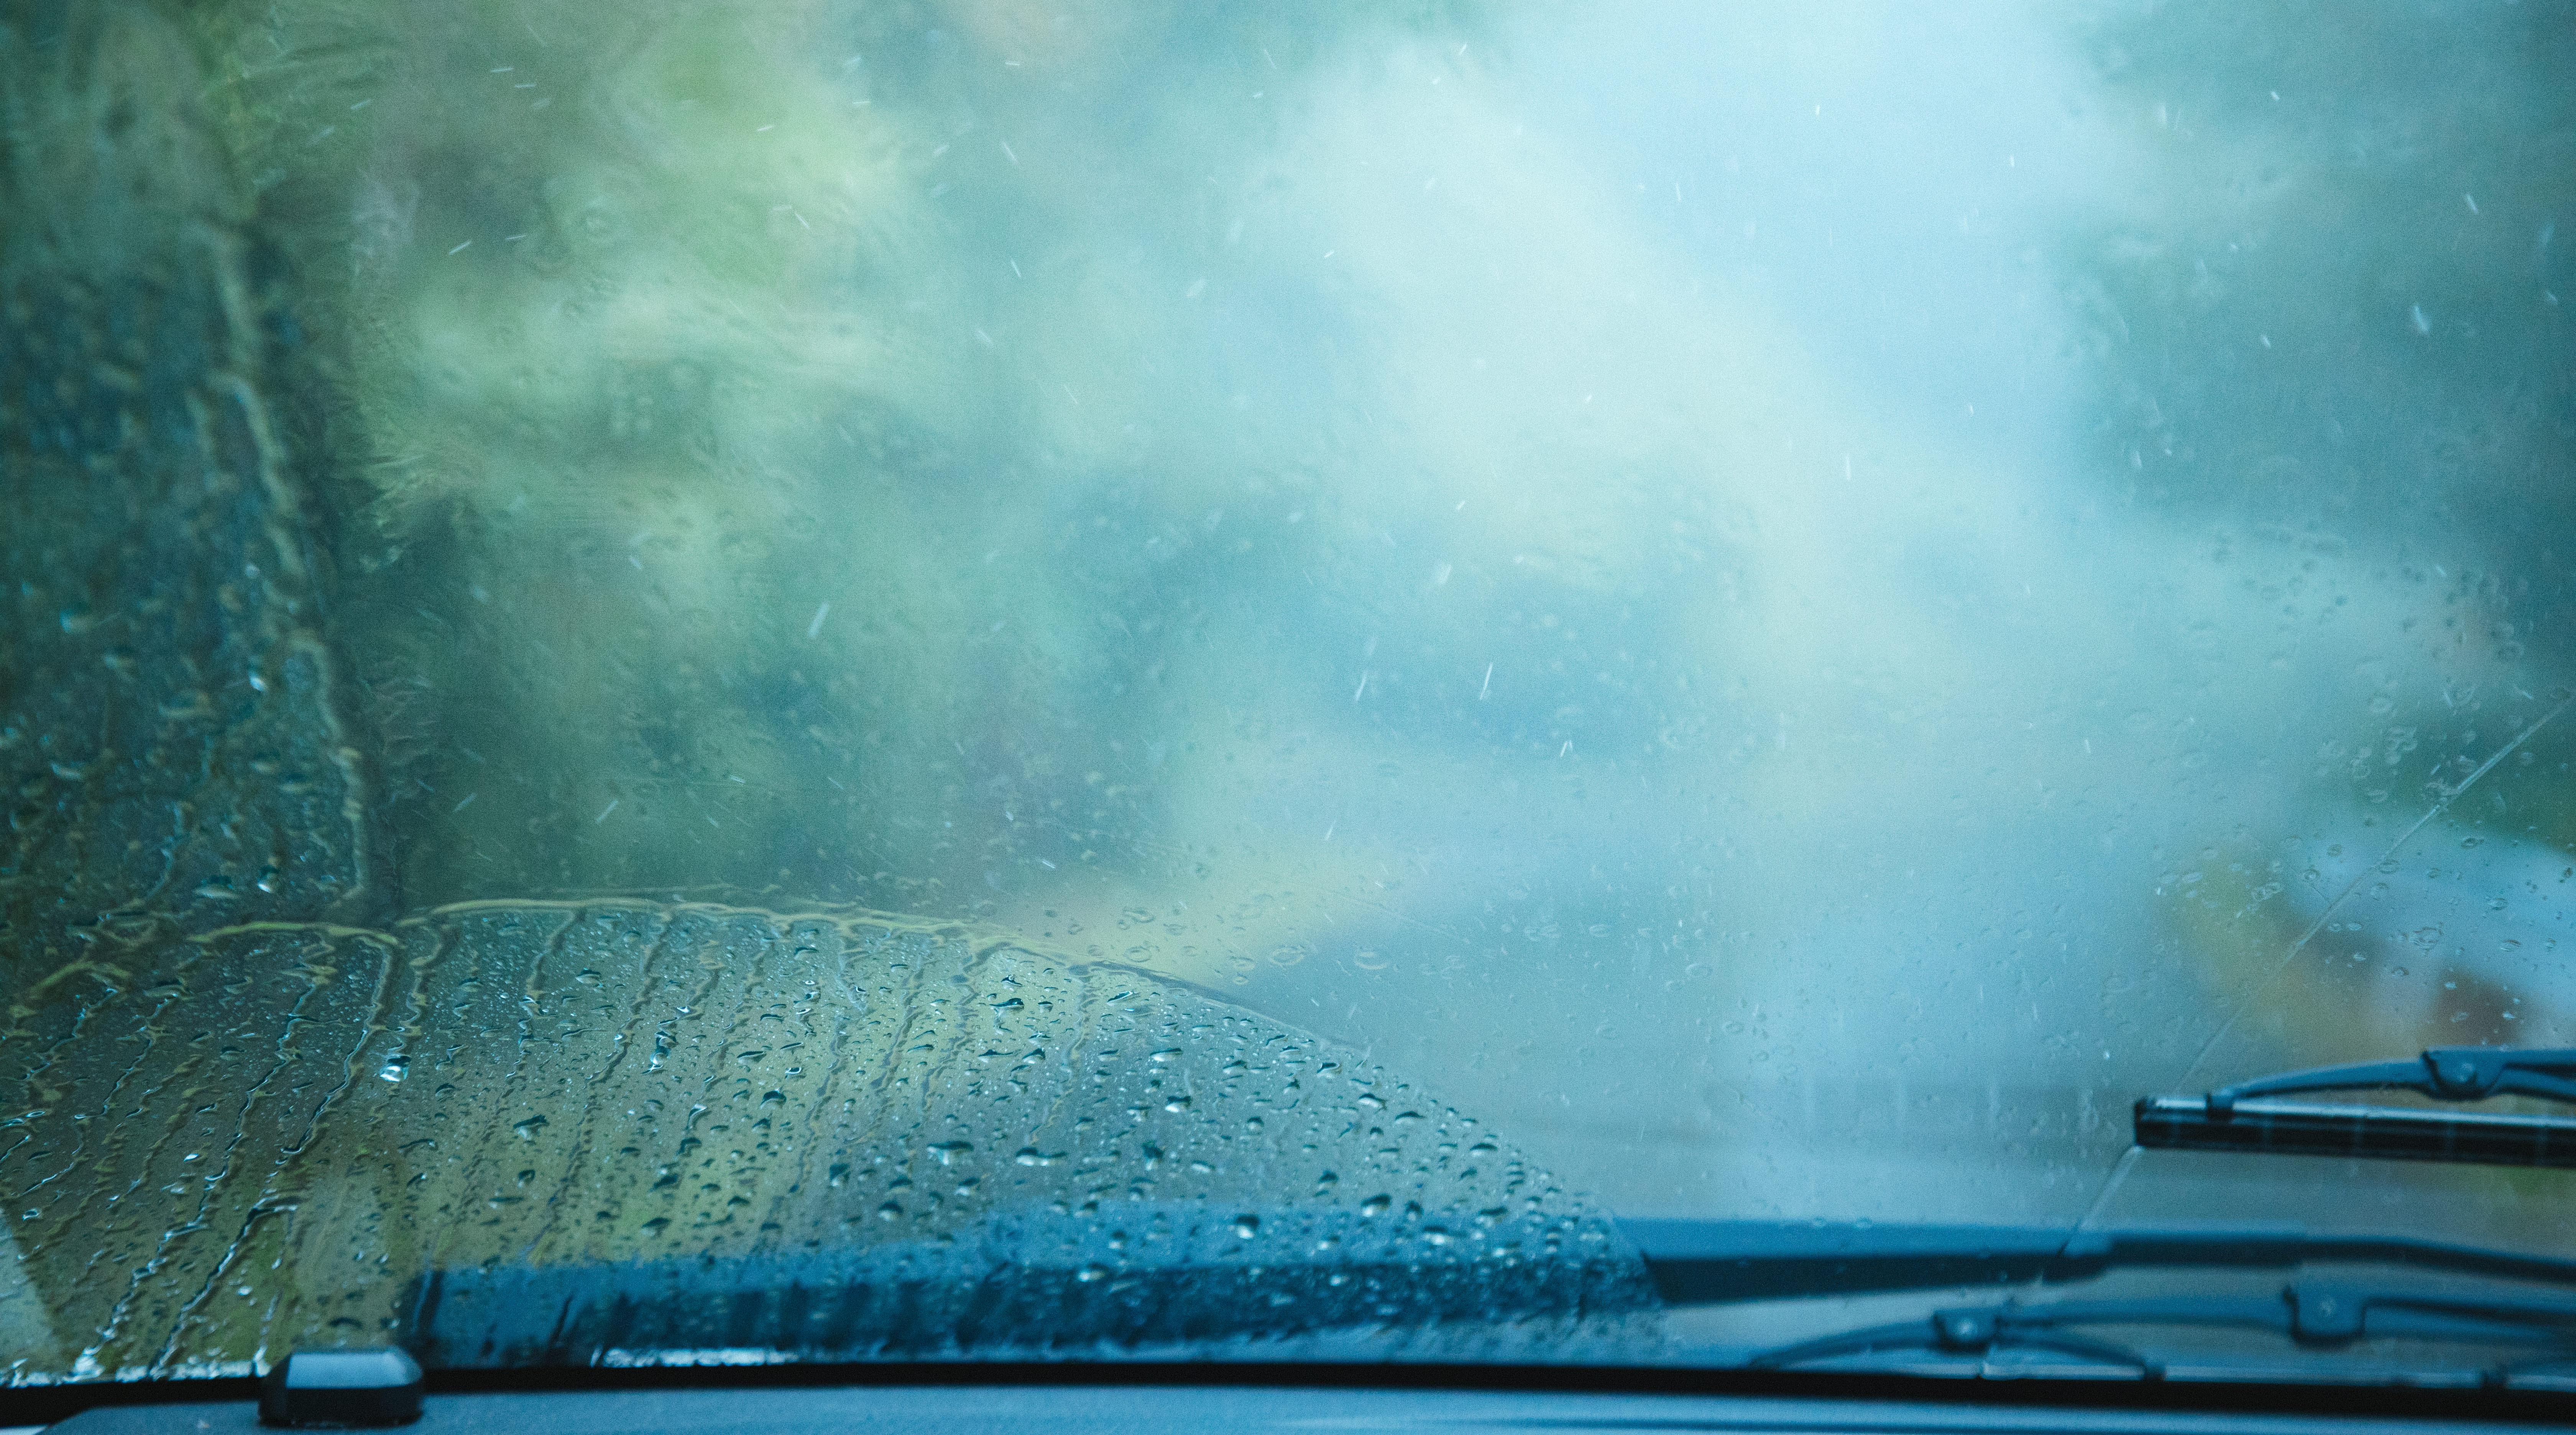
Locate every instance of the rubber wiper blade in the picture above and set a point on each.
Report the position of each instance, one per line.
(2313, 1316)
(2379, 1133)
(1716, 1262)
(1032, 1279)
(2242, 1118)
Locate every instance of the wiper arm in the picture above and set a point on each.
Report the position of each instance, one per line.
(2446, 1073)
(2239, 1118)
(2313, 1316)
(1709, 1262)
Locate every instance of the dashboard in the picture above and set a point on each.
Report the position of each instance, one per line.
(1080, 1409)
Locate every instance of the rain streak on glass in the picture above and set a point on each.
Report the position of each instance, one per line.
(837, 1141)
(840, 679)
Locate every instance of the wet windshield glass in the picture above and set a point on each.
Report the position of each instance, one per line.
(839, 679)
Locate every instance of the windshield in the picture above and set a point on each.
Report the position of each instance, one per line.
(835, 679)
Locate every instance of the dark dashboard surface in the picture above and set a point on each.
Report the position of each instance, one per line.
(1078, 1410)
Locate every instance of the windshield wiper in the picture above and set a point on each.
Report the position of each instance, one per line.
(2313, 1316)
(1710, 1262)
(1027, 1280)
(2238, 1118)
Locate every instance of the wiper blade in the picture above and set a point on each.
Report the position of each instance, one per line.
(2238, 1118)
(2380, 1133)
(1712, 1262)
(2311, 1315)
(1029, 1280)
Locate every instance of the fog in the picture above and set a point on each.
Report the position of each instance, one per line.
(1764, 598)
